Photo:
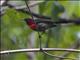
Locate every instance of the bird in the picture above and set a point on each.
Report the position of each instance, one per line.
(39, 24)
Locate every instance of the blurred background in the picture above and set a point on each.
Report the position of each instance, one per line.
(15, 34)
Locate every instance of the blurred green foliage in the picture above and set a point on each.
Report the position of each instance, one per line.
(15, 33)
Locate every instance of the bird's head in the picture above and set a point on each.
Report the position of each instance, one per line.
(29, 21)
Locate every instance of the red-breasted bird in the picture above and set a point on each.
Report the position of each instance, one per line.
(39, 25)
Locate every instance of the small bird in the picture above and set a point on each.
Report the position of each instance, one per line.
(39, 24)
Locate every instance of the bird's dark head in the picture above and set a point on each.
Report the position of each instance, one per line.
(31, 23)
(28, 20)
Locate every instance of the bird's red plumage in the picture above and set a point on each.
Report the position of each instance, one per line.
(33, 26)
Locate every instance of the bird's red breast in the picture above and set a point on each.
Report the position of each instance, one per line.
(33, 26)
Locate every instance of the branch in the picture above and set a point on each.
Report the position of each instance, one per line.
(25, 11)
(61, 20)
(38, 50)
(5, 3)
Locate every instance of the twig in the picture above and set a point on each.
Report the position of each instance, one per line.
(37, 15)
(61, 20)
(5, 3)
(38, 50)
(34, 3)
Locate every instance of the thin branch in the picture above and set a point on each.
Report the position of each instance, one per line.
(61, 20)
(38, 50)
(44, 17)
(34, 3)
(25, 11)
(5, 3)
(57, 56)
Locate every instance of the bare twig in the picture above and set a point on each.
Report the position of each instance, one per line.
(76, 21)
(38, 49)
(34, 14)
(5, 3)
